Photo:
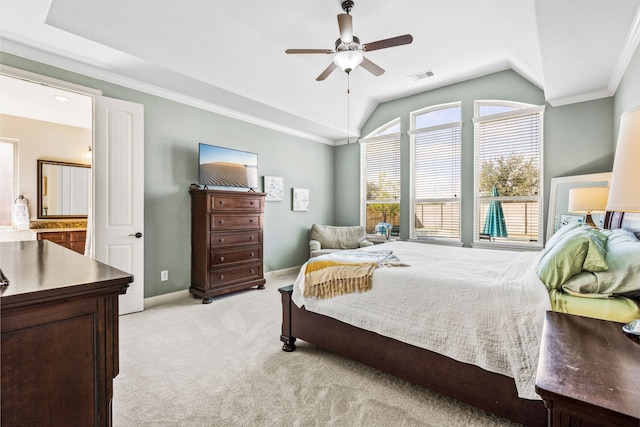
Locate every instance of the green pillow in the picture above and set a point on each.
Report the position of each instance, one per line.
(581, 248)
(560, 233)
(596, 256)
(623, 257)
(562, 261)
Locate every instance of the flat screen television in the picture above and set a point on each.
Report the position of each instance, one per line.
(226, 167)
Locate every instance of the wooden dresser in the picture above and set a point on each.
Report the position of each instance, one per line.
(226, 242)
(59, 345)
(72, 239)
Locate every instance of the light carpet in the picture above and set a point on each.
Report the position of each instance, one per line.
(190, 364)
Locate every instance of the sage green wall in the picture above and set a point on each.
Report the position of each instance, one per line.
(628, 93)
(578, 139)
(172, 132)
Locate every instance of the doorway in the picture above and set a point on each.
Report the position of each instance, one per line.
(42, 122)
(81, 129)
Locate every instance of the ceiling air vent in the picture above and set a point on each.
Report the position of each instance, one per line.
(422, 75)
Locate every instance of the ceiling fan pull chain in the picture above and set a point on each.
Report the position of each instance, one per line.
(348, 112)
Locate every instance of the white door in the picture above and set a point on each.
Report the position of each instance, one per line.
(118, 206)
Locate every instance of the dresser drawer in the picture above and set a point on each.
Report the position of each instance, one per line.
(221, 258)
(222, 240)
(235, 222)
(238, 274)
(231, 203)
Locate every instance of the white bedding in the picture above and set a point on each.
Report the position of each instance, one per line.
(478, 306)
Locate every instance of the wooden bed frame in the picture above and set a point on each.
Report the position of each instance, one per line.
(486, 390)
(468, 383)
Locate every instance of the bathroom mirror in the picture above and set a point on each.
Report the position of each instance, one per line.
(63, 189)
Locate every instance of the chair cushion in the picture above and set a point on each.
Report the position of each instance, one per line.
(337, 237)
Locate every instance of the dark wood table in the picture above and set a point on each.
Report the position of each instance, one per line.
(59, 341)
(589, 372)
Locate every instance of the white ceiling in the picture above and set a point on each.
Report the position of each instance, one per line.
(42, 102)
(228, 56)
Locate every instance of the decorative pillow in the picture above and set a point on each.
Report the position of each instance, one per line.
(561, 261)
(596, 256)
(623, 275)
(580, 248)
(559, 234)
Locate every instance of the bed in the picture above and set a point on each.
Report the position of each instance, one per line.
(471, 356)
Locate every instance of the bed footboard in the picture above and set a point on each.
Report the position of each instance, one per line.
(491, 392)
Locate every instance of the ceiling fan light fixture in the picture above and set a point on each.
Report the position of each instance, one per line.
(348, 60)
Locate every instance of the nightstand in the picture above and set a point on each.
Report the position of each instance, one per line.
(588, 372)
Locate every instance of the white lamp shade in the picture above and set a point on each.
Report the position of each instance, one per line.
(348, 59)
(588, 199)
(624, 193)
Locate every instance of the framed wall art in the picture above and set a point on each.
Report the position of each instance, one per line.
(274, 188)
(300, 199)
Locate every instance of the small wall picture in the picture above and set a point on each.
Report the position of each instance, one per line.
(569, 219)
(274, 188)
(300, 199)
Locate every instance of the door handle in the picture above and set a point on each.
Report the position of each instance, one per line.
(137, 235)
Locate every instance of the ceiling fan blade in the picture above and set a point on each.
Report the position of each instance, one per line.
(326, 72)
(345, 23)
(383, 44)
(371, 67)
(325, 51)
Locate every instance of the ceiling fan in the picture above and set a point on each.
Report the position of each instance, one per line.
(348, 49)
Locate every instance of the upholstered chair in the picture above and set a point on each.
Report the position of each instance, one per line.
(325, 239)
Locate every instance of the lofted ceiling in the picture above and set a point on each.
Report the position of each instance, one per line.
(229, 57)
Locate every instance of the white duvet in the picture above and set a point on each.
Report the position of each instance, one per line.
(478, 306)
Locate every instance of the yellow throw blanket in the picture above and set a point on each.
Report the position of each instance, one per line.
(344, 272)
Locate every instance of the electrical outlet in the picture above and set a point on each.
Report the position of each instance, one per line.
(164, 275)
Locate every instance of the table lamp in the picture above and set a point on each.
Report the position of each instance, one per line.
(624, 194)
(588, 200)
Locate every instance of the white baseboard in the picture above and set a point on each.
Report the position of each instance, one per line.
(282, 271)
(166, 298)
(178, 295)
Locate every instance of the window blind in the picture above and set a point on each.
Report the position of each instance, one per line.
(508, 174)
(437, 174)
(508, 137)
(381, 167)
(380, 170)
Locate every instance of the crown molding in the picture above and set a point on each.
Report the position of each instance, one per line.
(628, 49)
(58, 60)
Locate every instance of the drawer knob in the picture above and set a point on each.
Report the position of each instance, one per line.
(251, 220)
(222, 277)
(251, 202)
(251, 271)
(221, 240)
(250, 237)
(221, 202)
(221, 259)
(221, 221)
(252, 254)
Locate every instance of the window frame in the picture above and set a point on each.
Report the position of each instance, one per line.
(14, 189)
(520, 109)
(380, 133)
(413, 132)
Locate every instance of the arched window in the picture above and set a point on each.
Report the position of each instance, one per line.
(435, 172)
